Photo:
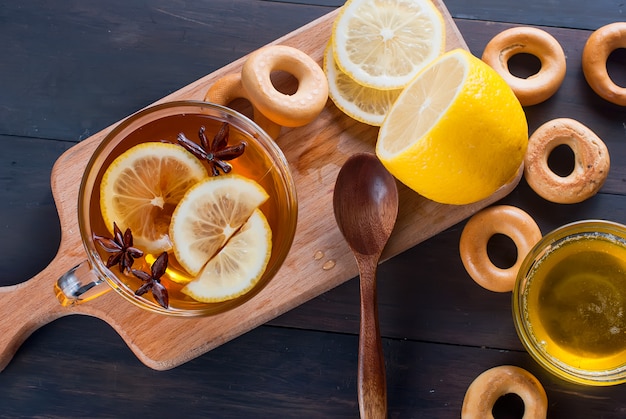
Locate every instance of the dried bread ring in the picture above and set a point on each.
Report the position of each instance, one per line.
(597, 49)
(591, 162)
(499, 219)
(540, 86)
(228, 88)
(287, 110)
(496, 382)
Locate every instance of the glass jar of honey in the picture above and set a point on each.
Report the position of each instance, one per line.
(569, 302)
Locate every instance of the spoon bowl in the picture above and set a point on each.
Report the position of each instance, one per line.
(365, 202)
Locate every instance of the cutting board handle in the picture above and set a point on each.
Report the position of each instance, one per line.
(27, 306)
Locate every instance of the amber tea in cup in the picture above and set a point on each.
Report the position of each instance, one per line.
(262, 162)
(569, 303)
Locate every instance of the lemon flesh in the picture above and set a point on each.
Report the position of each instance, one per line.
(384, 43)
(141, 188)
(457, 133)
(209, 214)
(237, 268)
(365, 104)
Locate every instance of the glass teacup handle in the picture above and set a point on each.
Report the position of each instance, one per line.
(29, 305)
(79, 284)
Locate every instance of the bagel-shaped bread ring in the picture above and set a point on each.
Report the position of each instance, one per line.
(496, 382)
(287, 110)
(591, 162)
(540, 86)
(597, 49)
(228, 88)
(499, 219)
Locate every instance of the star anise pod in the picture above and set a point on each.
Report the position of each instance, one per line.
(217, 152)
(152, 281)
(121, 245)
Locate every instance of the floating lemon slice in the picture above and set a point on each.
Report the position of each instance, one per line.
(209, 214)
(365, 104)
(237, 268)
(457, 133)
(384, 44)
(141, 188)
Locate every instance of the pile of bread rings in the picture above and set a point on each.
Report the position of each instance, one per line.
(273, 109)
(541, 86)
(591, 168)
(591, 156)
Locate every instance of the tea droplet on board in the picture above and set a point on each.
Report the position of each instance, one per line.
(329, 264)
(318, 255)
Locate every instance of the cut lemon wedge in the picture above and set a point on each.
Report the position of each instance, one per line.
(141, 188)
(237, 268)
(384, 44)
(365, 104)
(209, 214)
(457, 133)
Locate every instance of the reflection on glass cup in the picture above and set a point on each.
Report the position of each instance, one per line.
(569, 303)
(262, 162)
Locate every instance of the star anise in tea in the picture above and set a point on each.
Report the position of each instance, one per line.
(152, 281)
(216, 152)
(121, 247)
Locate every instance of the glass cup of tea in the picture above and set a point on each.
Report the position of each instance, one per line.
(262, 162)
(569, 302)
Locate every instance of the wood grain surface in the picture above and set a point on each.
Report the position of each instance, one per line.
(71, 69)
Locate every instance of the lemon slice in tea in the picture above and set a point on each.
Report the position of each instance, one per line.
(237, 268)
(209, 214)
(141, 188)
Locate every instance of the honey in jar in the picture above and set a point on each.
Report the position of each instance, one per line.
(570, 305)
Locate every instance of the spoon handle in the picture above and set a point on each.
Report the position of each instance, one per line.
(372, 388)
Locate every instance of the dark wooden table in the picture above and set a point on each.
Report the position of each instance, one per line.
(70, 69)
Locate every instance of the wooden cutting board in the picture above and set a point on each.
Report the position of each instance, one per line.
(319, 259)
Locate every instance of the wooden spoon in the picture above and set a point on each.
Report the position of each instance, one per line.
(366, 206)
